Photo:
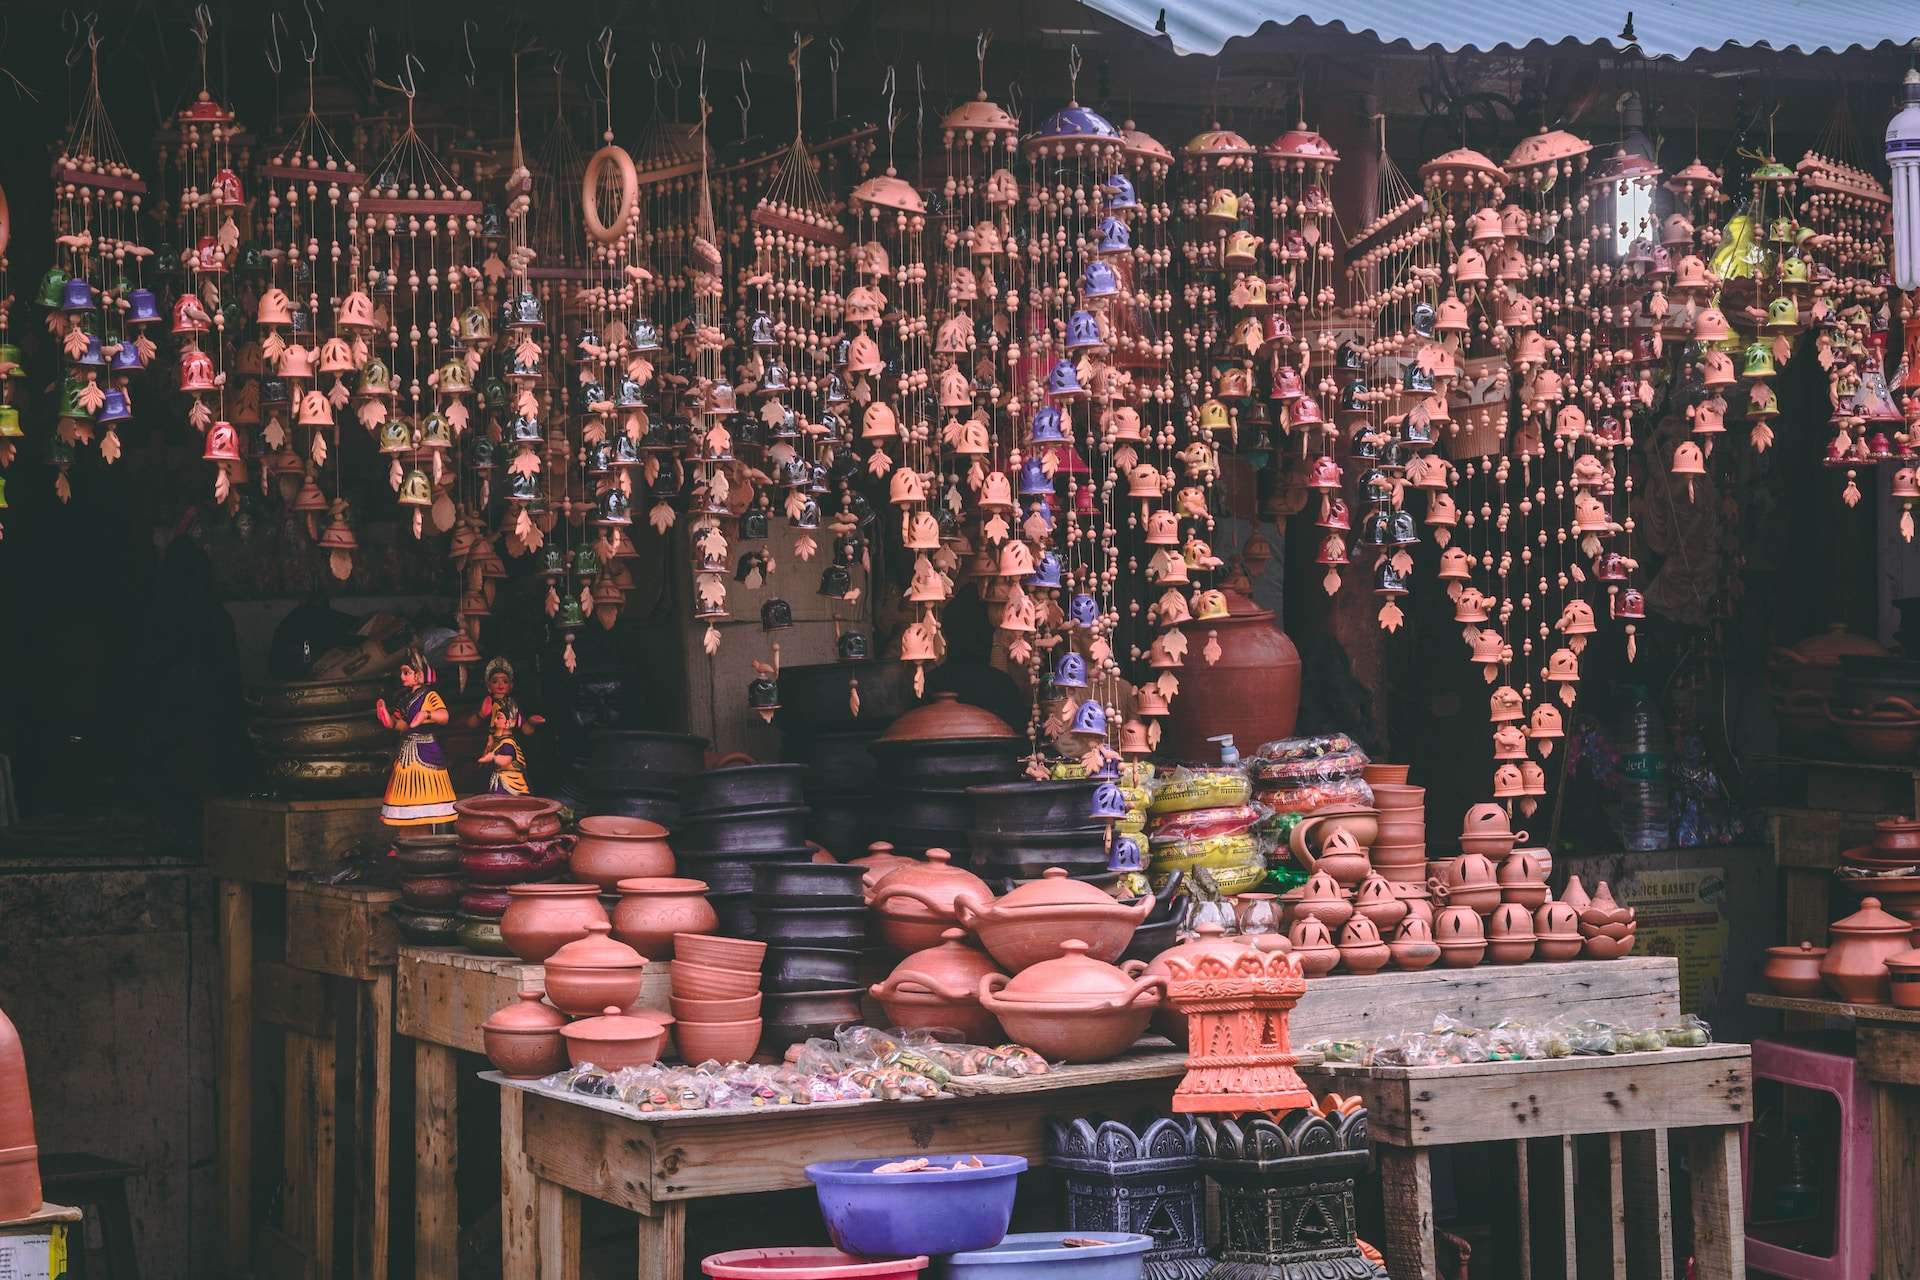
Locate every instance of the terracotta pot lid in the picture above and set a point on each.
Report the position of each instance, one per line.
(952, 963)
(612, 1024)
(1794, 952)
(1827, 648)
(553, 889)
(1055, 888)
(529, 1013)
(659, 884)
(619, 828)
(936, 876)
(1071, 976)
(1905, 961)
(1869, 921)
(944, 716)
(596, 951)
(1209, 939)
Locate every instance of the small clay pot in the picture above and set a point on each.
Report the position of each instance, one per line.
(653, 909)
(501, 819)
(590, 973)
(1903, 978)
(1392, 774)
(1490, 844)
(1413, 947)
(1795, 971)
(523, 1040)
(1361, 948)
(609, 849)
(426, 855)
(439, 892)
(517, 863)
(717, 1041)
(488, 902)
(613, 1039)
(480, 934)
(1321, 898)
(1313, 943)
(1376, 900)
(542, 918)
(1461, 936)
(1855, 966)
(741, 954)
(914, 904)
(1398, 798)
(1486, 818)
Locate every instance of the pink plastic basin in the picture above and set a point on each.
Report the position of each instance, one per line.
(808, 1264)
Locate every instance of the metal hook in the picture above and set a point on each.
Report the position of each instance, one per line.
(607, 55)
(373, 51)
(408, 84)
(700, 51)
(981, 43)
(312, 51)
(275, 25)
(675, 76)
(468, 27)
(559, 61)
(744, 100)
(1074, 63)
(1016, 98)
(202, 23)
(71, 16)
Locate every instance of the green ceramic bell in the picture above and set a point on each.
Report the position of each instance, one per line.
(416, 490)
(553, 561)
(59, 453)
(70, 406)
(586, 562)
(494, 392)
(1793, 270)
(52, 287)
(11, 357)
(376, 378)
(10, 423)
(571, 616)
(1780, 231)
(1783, 313)
(435, 433)
(396, 436)
(1759, 360)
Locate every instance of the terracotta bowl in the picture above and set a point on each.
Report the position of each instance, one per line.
(687, 1010)
(1397, 797)
(1391, 774)
(1396, 834)
(1510, 950)
(703, 982)
(719, 1041)
(743, 955)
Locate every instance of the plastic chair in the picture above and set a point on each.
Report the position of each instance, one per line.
(1802, 1067)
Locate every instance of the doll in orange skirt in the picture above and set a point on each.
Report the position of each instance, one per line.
(419, 792)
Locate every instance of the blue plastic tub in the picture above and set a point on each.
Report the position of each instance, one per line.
(1122, 1255)
(902, 1214)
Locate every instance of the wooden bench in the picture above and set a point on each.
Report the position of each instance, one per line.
(1588, 1173)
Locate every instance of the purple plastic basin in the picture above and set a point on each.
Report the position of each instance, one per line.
(903, 1214)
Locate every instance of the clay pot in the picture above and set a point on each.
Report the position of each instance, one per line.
(1028, 925)
(1397, 799)
(1399, 834)
(687, 1010)
(653, 909)
(879, 860)
(522, 1039)
(496, 819)
(1903, 978)
(939, 987)
(19, 1154)
(1413, 947)
(1556, 931)
(1322, 898)
(1490, 844)
(745, 786)
(717, 1041)
(743, 955)
(1483, 819)
(480, 934)
(609, 849)
(1896, 836)
(431, 893)
(1337, 836)
(1074, 1008)
(1361, 947)
(1376, 900)
(1392, 774)
(1208, 938)
(1575, 895)
(1469, 882)
(944, 717)
(542, 918)
(1855, 966)
(1888, 730)
(1252, 690)
(700, 982)
(614, 1039)
(426, 855)
(914, 904)
(1795, 971)
(590, 973)
(1313, 943)
(502, 864)
(1462, 940)
(1510, 937)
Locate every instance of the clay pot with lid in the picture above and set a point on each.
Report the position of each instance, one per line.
(1855, 966)
(1027, 926)
(1896, 837)
(612, 1039)
(913, 904)
(1556, 932)
(609, 849)
(1413, 947)
(1469, 882)
(879, 860)
(19, 1153)
(1322, 898)
(590, 973)
(1463, 941)
(542, 918)
(1795, 971)
(1312, 941)
(654, 908)
(940, 987)
(946, 743)
(1341, 855)
(1376, 900)
(1522, 880)
(523, 1040)
(1209, 939)
(1362, 950)
(499, 819)
(1074, 1008)
(1510, 936)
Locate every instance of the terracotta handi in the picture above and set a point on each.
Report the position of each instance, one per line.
(913, 904)
(542, 918)
(1855, 966)
(652, 909)
(1074, 1007)
(1239, 1058)
(1028, 925)
(522, 1039)
(609, 849)
(940, 987)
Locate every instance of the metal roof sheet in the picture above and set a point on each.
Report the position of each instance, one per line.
(1664, 28)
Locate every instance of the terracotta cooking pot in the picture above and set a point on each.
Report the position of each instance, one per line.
(654, 908)
(1896, 835)
(493, 819)
(515, 863)
(940, 987)
(1361, 822)
(879, 860)
(614, 1039)
(1855, 966)
(590, 973)
(1029, 924)
(542, 918)
(1888, 730)
(1795, 971)
(609, 849)
(914, 903)
(1074, 1008)
(522, 1039)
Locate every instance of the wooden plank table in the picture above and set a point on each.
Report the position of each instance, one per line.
(556, 1147)
(1619, 1221)
(1887, 1047)
(442, 995)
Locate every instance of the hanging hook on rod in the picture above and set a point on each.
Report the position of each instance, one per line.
(275, 25)
(981, 43)
(744, 99)
(833, 66)
(373, 53)
(469, 27)
(310, 48)
(202, 24)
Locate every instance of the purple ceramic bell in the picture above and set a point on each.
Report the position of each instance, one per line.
(1046, 427)
(1063, 383)
(1070, 672)
(1083, 610)
(1033, 480)
(1090, 721)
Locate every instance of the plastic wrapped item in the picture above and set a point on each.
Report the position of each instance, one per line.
(1290, 760)
(1691, 1032)
(1450, 1040)
(1205, 824)
(1185, 789)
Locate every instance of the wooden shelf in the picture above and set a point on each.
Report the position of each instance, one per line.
(1834, 1008)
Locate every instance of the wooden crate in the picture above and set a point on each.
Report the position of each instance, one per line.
(253, 841)
(347, 931)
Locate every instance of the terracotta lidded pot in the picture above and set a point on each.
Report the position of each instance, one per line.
(1073, 1007)
(1376, 900)
(614, 1039)
(1362, 950)
(940, 987)
(542, 918)
(1556, 932)
(1209, 938)
(1462, 939)
(654, 908)
(1896, 835)
(1510, 938)
(913, 904)
(1855, 966)
(590, 973)
(879, 859)
(1027, 925)
(1413, 947)
(609, 849)
(1795, 971)
(522, 1039)
(1322, 898)
(1575, 895)
(1311, 938)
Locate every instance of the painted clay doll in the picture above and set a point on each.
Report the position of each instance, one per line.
(419, 792)
(499, 691)
(504, 754)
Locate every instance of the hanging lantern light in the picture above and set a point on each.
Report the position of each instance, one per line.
(1903, 158)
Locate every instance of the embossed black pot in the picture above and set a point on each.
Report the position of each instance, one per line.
(1136, 1176)
(1031, 806)
(1275, 1173)
(746, 786)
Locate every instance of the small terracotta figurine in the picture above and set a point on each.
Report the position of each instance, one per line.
(419, 792)
(504, 754)
(500, 692)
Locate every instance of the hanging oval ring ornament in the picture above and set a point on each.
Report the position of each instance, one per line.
(629, 180)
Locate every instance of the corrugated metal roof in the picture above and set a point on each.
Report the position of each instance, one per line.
(1665, 28)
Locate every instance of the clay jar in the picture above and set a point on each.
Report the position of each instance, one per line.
(1361, 948)
(610, 849)
(1462, 940)
(614, 1039)
(1556, 932)
(1893, 836)
(1335, 841)
(492, 819)
(1209, 938)
(590, 973)
(1413, 947)
(1376, 900)
(1028, 925)
(1522, 880)
(913, 904)
(1510, 937)
(1313, 942)
(1470, 882)
(522, 1039)
(1322, 899)
(652, 909)
(1855, 966)
(1795, 971)
(542, 918)
(940, 987)
(1074, 1008)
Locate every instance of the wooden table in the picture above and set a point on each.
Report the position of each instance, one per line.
(1887, 1047)
(442, 995)
(1620, 1221)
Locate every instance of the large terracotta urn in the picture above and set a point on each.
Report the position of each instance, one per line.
(19, 1156)
(1252, 691)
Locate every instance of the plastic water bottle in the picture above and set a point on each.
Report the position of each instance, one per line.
(1642, 796)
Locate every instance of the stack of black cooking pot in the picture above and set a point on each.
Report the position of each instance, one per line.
(1022, 828)
(813, 918)
(829, 715)
(928, 758)
(633, 773)
(731, 821)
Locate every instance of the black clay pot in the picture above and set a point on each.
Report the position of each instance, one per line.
(837, 761)
(747, 786)
(791, 1017)
(913, 842)
(1149, 940)
(648, 759)
(813, 884)
(948, 762)
(947, 810)
(664, 810)
(820, 697)
(844, 926)
(1031, 806)
(744, 830)
(791, 968)
(1074, 848)
(725, 874)
(842, 825)
(629, 784)
(736, 913)
(426, 928)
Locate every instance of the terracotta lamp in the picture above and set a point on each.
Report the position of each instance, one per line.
(1238, 1056)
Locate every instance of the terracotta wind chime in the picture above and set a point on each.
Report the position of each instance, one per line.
(12, 373)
